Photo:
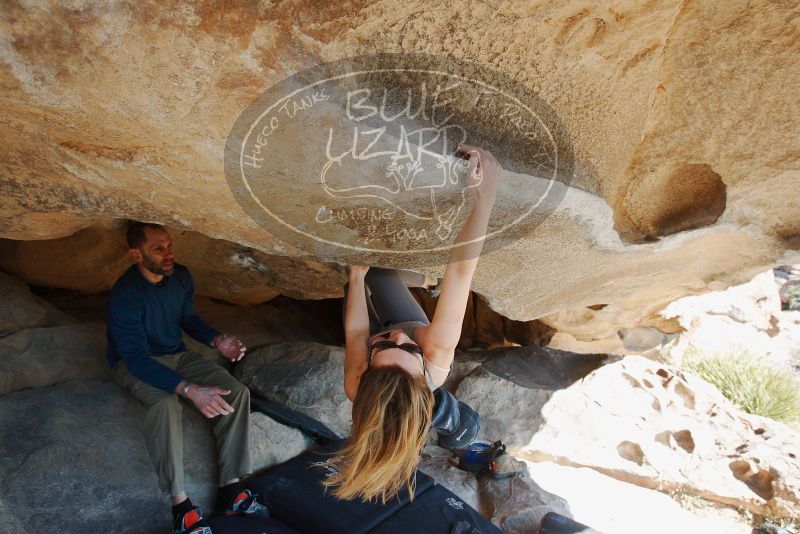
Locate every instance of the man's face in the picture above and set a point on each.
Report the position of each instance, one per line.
(156, 253)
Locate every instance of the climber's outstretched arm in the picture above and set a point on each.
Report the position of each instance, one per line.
(483, 178)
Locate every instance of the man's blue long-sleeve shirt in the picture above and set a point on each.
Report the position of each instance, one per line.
(144, 318)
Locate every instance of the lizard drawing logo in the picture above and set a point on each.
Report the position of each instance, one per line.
(426, 185)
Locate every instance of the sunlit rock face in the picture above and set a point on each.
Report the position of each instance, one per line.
(658, 427)
(679, 116)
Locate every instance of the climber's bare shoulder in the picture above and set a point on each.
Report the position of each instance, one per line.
(436, 354)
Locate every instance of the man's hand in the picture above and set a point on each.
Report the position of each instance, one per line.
(230, 347)
(484, 172)
(209, 401)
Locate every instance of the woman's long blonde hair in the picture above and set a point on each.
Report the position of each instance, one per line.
(391, 418)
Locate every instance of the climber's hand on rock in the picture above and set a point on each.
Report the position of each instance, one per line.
(209, 401)
(230, 347)
(484, 172)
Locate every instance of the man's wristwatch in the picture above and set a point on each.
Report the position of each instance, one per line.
(185, 389)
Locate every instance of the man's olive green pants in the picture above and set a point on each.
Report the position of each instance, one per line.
(162, 422)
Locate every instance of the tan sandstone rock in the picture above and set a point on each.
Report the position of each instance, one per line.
(745, 320)
(680, 114)
(610, 505)
(92, 259)
(661, 428)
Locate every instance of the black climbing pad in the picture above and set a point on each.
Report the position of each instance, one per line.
(242, 524)
(294, 419)
(542, 368)
(436, 511)
(554, 523)
(295, 496)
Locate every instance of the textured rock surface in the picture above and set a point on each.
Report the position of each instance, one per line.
(80, 445)
(92, 259)
(683, 119)
(272, 443)
(610, 505)
(680, 115)
(436, 463)
(658, 427)
(65, 445)
(790, 296)
(515, 419)
(512, 385)
(89, 260)
(747, 318)
(751, 318)
(278, 320)
(307, 377)
(516, 506)
(40, 357)
(20, 307)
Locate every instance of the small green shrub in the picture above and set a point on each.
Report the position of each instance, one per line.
(750, 384)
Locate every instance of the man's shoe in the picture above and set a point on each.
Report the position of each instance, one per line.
(185, 523)
(247, 503)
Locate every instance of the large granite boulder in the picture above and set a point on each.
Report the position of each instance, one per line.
(512, 385)
(518, 505)
(658, 427)
(750, 315)
(40, 357)
(515, 505)
(90, 260)
(514, 419)
(279, 320)
(74, 456)
(20, 307)
(307, 377)
(272, 443)
(483, 327)
(602, 502)
(438, 463)
(613, 506)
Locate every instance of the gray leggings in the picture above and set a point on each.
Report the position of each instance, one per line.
(388, 299)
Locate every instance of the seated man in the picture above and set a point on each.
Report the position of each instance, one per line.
(147, 308)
